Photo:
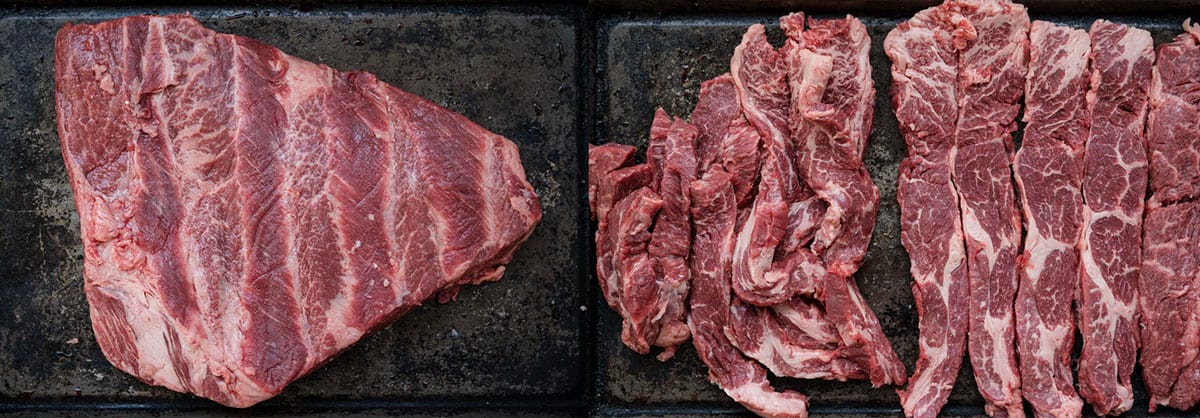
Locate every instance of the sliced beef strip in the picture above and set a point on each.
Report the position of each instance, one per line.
(635, 279)
(1114, 192)
(1169, 305)
(1049, 171)
(924, 56)
(991, 82)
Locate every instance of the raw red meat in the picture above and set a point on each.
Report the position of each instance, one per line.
(1169, 304)
(616, 232)
(1114, 189)
(246, 215)
(958, 70)
(832, 107)
(634, 277)
(602, 160)
(1049, 170)
(991, 81)
(759, 276)
(833, 104)
(924, 56)
(714, 211)
(793, 339)
(649, 292)
(771, 258)
(672, 236)
(715, 111)
(725, 137)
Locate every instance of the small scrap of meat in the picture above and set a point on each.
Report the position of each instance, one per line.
(611, 178)
(715, 112)
(629, 230)
(739, 156)
(650, 293)
(608, 235)
(726, 137)
(602, 160)
(672, 236)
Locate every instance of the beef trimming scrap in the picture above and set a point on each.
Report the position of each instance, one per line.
(781, 211)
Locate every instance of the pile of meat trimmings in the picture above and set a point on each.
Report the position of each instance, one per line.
(746, 223)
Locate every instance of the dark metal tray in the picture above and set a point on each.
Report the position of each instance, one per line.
(550, 77)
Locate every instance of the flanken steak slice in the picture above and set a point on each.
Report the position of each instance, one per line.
(832, 106)
(991, 81)
(924, 55)
(1168, 300)
(246, 215)
(714, 215)
(1048, 170)
(1114, 189)
(1168, 305)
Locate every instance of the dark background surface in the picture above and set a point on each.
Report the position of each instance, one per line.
(551, 77)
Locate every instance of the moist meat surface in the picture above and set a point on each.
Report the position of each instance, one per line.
(1048, 170)
(1168, 301)
(782, 211)
(832, 108)
(1114, 192)
(959, 71)
(714, 210)
(247, 215)
(991, 81)
(924, 67)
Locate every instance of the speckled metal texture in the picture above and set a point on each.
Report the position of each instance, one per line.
(651, 61)
(515, 344)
